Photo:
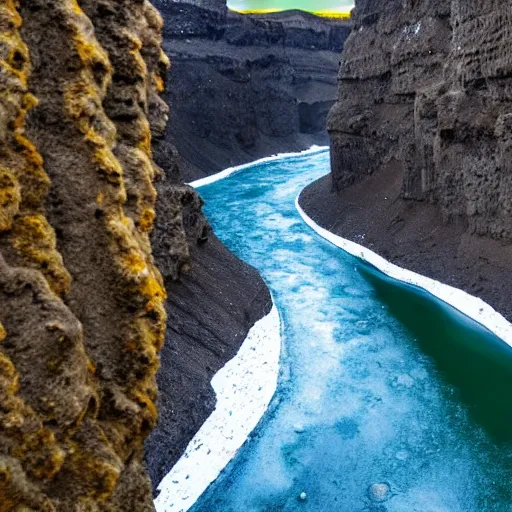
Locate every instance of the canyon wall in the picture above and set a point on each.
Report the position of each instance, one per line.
(246, 86)
(420, 141)
(84, 308)
(426, 85)
(82, 302)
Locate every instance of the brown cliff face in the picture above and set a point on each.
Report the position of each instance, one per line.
(427, 85)
(82, 316)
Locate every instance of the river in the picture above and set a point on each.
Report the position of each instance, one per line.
(387, 400)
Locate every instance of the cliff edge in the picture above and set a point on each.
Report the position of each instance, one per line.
(420, 141)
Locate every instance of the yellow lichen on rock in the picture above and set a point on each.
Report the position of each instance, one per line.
(24, 183)
(10, 198)
(73, 419)
(33, 238)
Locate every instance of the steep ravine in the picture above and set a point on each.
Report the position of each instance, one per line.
(84, 307)
(420, 142)
(243, 87)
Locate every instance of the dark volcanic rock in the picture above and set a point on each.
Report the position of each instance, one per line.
(242, 87)
(210, 310)
(420, 139)
(435, 99)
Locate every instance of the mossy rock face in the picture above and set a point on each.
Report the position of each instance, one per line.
(82, 302)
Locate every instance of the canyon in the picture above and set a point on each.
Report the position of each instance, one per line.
(246, 86)
(119, 303)
(420, 139)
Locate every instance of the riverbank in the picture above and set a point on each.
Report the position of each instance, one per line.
(210, 310)
(244, 388)
(412, 235)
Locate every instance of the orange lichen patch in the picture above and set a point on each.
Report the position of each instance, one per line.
(15, 18)
(154, 293)
(135, 265)
(108, 166)
(31, 443)
(15, 56)
(76, 8)
(28, 102)
(144, 129)
(3, 333)
(8, 374)
(158, 83)
(93, 57)
(146, 283)
(97, 475)
(82, 100)
(141, 339)
(149, 413)
(39, 450)
(83, 104)
(10, 198)
(33, 179)
(19, 74)
(34, 239)
(146, 220)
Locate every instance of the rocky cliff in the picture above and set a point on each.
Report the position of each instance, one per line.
(84, 308)
(421, 129)
(246, 86)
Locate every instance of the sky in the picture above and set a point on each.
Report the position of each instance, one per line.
(305, 5)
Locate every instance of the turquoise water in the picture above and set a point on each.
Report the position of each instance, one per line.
(388, 399)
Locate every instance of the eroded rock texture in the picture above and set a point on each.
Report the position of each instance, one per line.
(425, 86)
(82, 302)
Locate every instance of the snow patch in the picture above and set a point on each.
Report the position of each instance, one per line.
(467, 304)
(244, 388)
(232, 170)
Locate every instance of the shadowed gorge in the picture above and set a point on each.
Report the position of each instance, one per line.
(243, 87)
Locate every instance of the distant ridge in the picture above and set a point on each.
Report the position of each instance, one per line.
(324, 14)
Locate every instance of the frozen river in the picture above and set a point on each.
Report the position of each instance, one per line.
(387, 400)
